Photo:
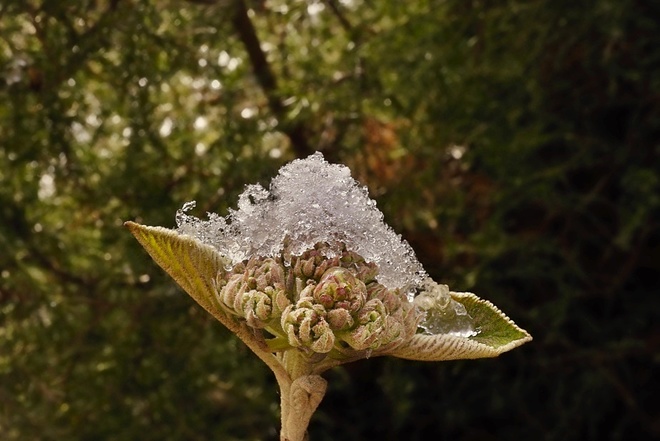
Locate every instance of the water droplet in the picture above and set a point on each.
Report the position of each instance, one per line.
(443, 314)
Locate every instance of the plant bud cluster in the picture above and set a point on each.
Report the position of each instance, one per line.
(318, 303)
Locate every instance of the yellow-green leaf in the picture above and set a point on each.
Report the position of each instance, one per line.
(497, 333)
(192, 264)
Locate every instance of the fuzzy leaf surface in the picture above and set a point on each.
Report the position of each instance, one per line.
(497, 334)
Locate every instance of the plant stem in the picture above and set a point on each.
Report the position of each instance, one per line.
(301, 393)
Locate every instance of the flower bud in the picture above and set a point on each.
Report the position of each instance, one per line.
(252, 285)
(307, 267)
(278, 299)
(392, 331)
(410, 319)
(392, 299)
(267, 272)
(305, 264)
(372, 320)
(325, 338)
(261, 307)
(340, 319)
(323, 266)
(308, 290)
(340, 289)
(367, 272)
(312, 263)
(306, 327)
(364, 271)
(232, 292)
(256, 308)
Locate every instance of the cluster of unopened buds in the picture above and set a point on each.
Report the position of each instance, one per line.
(320, 305)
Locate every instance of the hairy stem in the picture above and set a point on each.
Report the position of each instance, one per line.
(299, 400)
(300, 395)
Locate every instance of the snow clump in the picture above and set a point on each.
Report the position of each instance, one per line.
(310, 201)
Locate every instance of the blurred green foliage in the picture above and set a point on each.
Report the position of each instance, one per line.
(514, 144)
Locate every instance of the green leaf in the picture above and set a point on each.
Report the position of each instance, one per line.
(497, 334)
(192, 264)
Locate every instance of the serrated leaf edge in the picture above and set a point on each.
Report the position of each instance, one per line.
(441, 347)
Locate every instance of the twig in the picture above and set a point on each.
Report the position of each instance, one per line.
(267, 80)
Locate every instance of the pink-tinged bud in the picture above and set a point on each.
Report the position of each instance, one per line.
(361, 338)
(305, 264)
(392, 330)
(323, 266)
(340, 319)
(256, 308)
(411, 319)
(392, 299)
(312, 263)
(350, 258)
(297, 268)
(239, 268)
(306, 327)
(261, 307)
(324, 338)
(373, 313)
(364, 271)
(307, 291)
(232, 292)
(254, 290)
(294, 286)
(340, 289)
(367, 272)
(372, 320)
(269, 272)
(278, 299)
(307, 268)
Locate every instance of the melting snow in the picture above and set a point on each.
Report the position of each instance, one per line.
(309, 201)
(441, 313)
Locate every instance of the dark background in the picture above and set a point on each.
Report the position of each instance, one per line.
(516, 146)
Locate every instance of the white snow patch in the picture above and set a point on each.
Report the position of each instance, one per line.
(308, 202)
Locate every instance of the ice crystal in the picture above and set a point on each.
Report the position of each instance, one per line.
(310, 201)
(441, 313)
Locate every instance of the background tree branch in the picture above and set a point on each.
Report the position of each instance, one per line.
(263, 72)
